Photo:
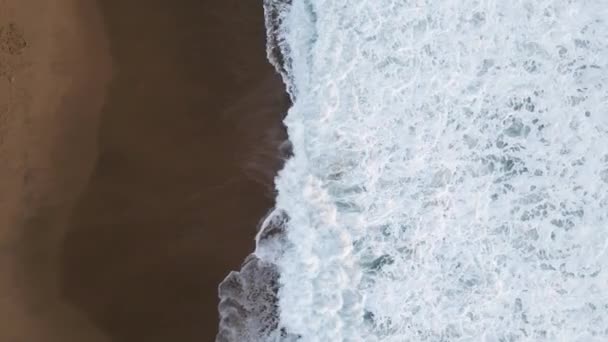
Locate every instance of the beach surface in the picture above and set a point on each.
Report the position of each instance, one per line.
(138, 142)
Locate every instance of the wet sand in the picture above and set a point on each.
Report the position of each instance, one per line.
(53, 69)
(133, 176)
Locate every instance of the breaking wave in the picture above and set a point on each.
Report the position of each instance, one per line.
(449, 178)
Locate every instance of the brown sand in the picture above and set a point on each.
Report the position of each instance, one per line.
(123, 207)
(53, 68)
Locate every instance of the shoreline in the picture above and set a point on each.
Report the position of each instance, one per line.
(186, 145)
(141, 161)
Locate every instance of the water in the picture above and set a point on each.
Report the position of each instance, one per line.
(449, 179)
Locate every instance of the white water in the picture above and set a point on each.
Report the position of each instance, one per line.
(450, 171)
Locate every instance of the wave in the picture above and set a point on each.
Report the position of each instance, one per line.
(449, 177)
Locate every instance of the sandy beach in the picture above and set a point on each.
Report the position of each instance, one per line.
(138, 141)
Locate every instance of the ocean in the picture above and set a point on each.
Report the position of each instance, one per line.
(449, 176)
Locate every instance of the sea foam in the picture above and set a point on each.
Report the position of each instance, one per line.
(450, 174)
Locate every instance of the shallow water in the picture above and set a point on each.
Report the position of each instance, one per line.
(449, 179)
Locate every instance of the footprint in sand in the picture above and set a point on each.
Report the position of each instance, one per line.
(11, 39)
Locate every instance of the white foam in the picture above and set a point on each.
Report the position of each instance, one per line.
(450, 171)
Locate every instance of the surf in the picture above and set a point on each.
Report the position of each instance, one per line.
(448, 182)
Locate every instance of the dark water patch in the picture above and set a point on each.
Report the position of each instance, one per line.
(171, 206)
